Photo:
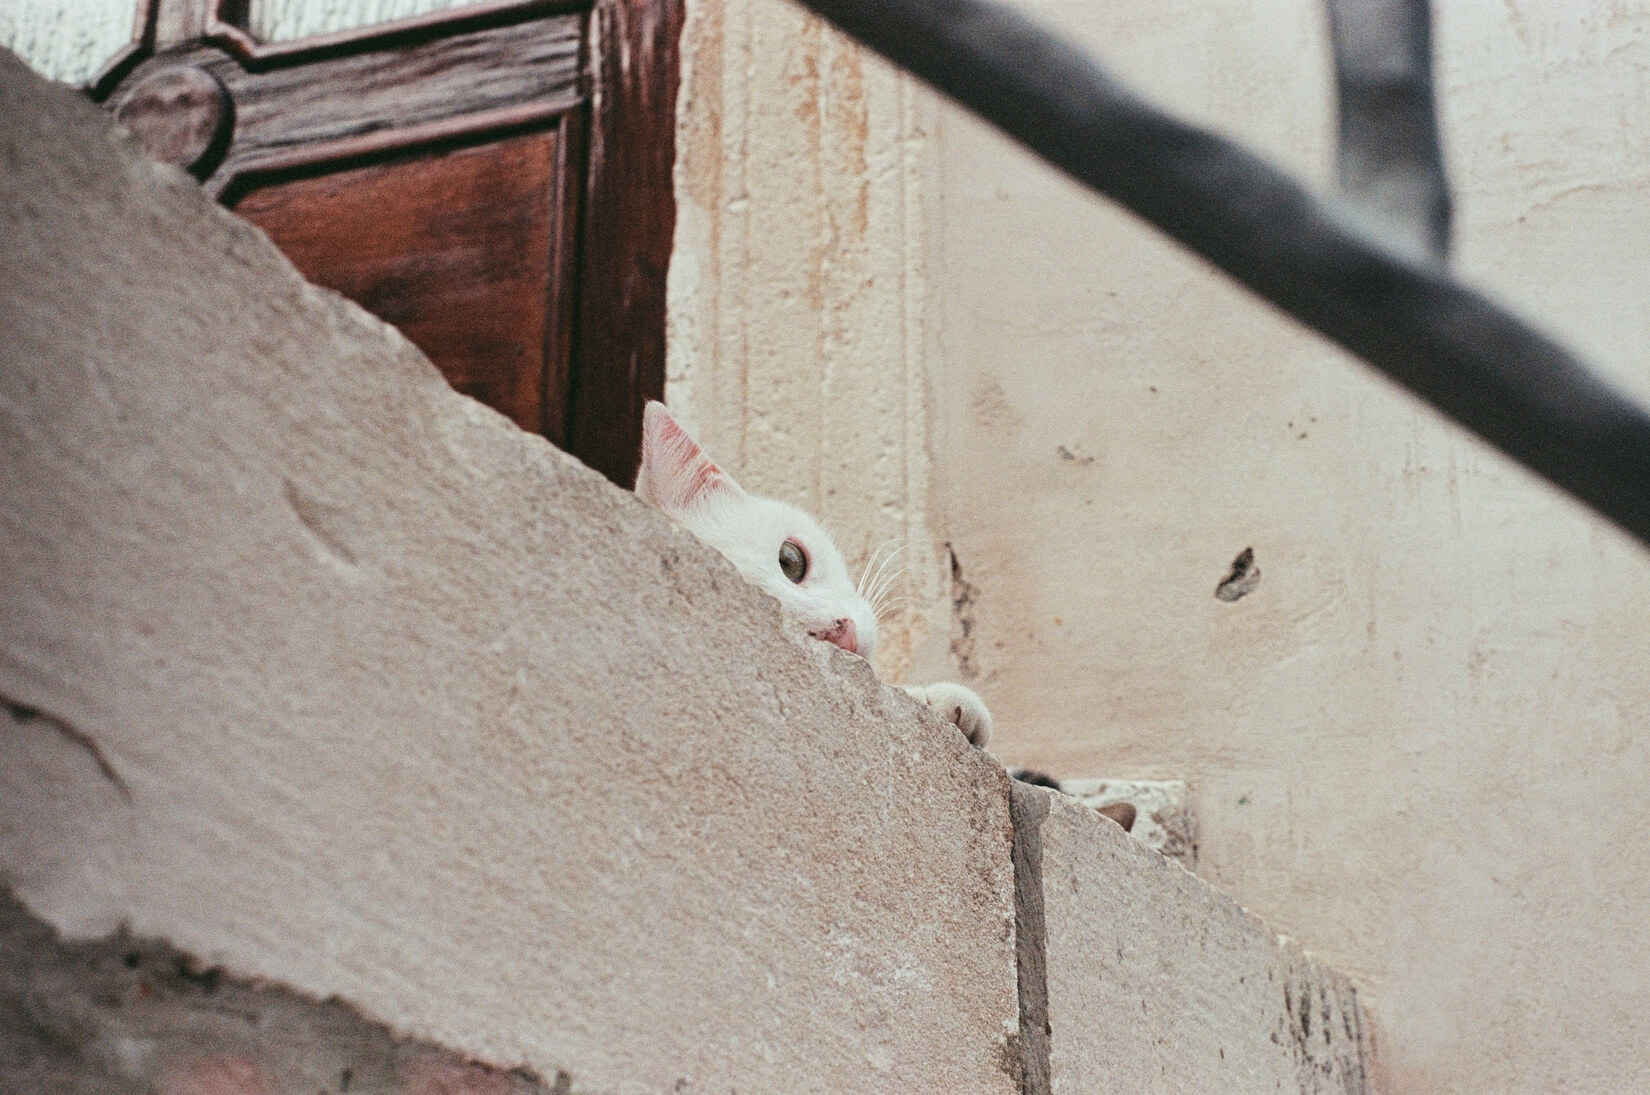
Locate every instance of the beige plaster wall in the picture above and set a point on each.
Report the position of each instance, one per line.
(799, 312)
(1418, 744)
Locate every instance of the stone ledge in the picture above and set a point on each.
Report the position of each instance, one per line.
(330, 676)
(1164, 820)
(1158, 983)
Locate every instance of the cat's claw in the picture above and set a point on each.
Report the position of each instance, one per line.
(958, 704)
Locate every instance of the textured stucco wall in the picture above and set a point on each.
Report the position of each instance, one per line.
(1418, 743)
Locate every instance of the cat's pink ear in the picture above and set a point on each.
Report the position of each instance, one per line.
(675, 472)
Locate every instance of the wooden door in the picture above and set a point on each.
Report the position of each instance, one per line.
(495, 180)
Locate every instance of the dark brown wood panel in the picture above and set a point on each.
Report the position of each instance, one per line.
(382, 95)
(457, 250)
(344, 96)
(628, 228)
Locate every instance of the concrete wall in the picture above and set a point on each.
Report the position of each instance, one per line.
(316, 673)
(1123, 927)
(1417, 743)
(329, 675)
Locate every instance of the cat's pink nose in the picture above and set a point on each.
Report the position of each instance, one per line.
(841, 634)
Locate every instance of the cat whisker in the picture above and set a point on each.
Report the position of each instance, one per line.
(873, 570)
(887, 593)
(885, 583)
(869, 560)
(890, 559)
(873, 586)
(865, 572)
(881, 611)
(884, 593)
(878, 561)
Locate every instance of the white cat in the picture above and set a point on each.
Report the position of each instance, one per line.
(781, 550)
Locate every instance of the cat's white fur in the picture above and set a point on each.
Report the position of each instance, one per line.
(680, 479)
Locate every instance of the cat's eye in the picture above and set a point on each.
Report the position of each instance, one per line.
(793, 561)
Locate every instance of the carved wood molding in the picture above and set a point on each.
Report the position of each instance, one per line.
(161, 25)
(232, 181)
(471, 74)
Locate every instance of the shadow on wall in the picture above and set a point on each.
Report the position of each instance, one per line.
(130, 1016)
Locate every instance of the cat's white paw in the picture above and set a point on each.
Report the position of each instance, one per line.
(958, 704)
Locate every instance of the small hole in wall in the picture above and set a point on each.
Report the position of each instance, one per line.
(1241, 579)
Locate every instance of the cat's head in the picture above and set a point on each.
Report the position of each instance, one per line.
(776, 546)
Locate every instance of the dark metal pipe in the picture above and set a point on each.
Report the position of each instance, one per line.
(1473, 360)
(1389, 159)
